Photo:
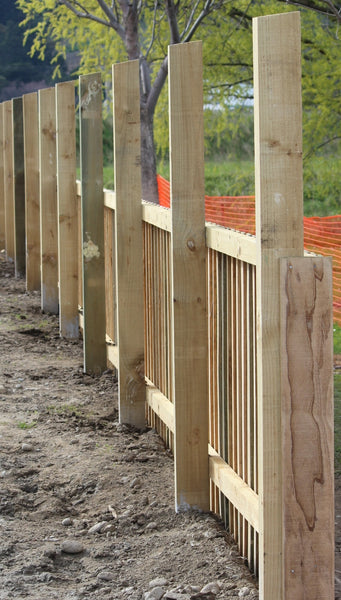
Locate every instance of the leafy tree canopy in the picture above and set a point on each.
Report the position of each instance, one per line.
(97, 30)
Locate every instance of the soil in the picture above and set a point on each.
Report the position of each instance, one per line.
(87, 504)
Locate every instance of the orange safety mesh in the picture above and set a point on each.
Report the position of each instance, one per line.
(322, 235)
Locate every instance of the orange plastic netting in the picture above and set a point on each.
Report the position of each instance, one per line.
(322, 235)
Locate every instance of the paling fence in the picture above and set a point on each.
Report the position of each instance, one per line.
(224, 339)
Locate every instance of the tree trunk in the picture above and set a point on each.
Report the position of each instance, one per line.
(148, 157)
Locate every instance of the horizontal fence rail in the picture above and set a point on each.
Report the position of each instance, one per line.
(222, 339)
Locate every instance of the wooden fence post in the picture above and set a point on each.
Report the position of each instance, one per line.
(8, 180)
(189, 315)
(279, 231)
(91, 149)
(307, 427)
(32, 209)
(48, 201)
(2, 181)
(19, 188)
(129, 244)
(67, 210)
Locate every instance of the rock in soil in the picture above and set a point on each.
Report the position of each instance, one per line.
(84, 469)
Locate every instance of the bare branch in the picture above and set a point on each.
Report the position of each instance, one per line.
(325, 143)
(152, 39)
(320, 7)
(157, 86)
(173, 22)
(80, 11)
(209, 4)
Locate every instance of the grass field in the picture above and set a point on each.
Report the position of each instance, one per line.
(322, 183)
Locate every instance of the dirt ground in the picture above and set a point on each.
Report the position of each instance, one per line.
(86, 504)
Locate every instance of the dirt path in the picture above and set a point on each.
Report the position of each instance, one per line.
(86, 505)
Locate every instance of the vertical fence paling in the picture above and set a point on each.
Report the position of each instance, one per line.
(18, 187)
(188, 263)
(8, 180)
(48, 202)
(2, 181)
(32, 209)
(92, 241)
(307, 427)
(128, 243)
(67, 210)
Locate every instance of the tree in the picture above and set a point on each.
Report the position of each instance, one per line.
(104, 32)
(137, 29)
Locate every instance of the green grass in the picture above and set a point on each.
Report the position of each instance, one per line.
(337, 339)
(24, 425)
(322, 182)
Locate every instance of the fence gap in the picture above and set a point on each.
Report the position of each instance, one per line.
(32, 208)
(188, 250)
(67, 210)
(48, 201)
(279, 232)
(2, 181)
(129, 244)
(92, 223)
(8, 180)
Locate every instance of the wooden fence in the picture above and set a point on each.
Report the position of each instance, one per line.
(223, 339)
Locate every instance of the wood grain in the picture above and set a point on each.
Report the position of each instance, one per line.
(189, 314)
(307, 425)
(48, 201)
(279, 231)
(32, 208)
(92, 223)
(129, 243)
(67, 210)
(8, 179)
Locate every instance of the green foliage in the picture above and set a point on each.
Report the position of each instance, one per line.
(24, 425)
(16, 66)
(322, 186)
(337, 339)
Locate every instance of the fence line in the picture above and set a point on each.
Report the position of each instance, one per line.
(233, 366)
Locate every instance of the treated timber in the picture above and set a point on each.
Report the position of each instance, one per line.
(48, 201)
(244, 499)
(67, 210)
(19, 188)
(307, 427)
(233, 243)
(2, 182)
(279, 232)
(8, 180)
(32, 209)
(188, 264)
(92, 223)
(156, 215)
(160, 405)
(129, 243)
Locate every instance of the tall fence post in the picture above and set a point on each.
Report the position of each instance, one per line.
(91, 150)
(8, 180)
(48, 201)
(67, 210)
(2, 181)
(188, 251)
(19, 188)
(307, 427)
(32, 209)
(279, 231)
(129, 244)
